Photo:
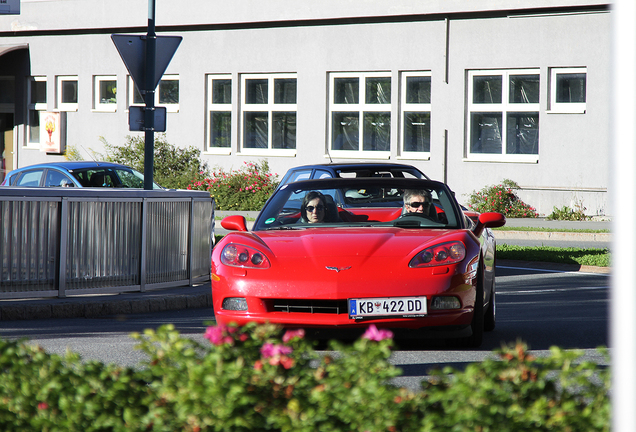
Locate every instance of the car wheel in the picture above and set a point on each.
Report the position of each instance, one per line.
(477, 324)
(490, 317)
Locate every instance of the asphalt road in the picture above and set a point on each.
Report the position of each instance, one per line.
(542, 308)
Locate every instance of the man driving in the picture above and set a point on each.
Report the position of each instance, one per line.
(417, 201)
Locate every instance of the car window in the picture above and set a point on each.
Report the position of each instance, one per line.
(100, 178)
(30, 178)
(130, 179)
(321, 174)
(82, 177)
(379, 172)
(57, 179)
(299, 175)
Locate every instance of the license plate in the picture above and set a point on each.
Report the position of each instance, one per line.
(406, 307)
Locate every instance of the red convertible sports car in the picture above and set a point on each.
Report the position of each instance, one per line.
(402, 256)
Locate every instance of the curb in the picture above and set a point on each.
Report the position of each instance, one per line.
(554, 266)
(169, 299)
(553, 236)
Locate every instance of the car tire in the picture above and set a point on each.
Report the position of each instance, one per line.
(491, 311)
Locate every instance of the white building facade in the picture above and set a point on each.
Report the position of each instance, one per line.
(469, 92)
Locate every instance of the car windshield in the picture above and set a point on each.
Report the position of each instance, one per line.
(110, 177)
(369, 202)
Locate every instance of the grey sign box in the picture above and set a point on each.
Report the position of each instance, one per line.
(136, 119)
(132, 49)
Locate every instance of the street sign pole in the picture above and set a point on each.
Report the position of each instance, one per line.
(146, 58)
(149, 85)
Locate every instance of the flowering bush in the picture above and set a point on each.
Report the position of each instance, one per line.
(250, 378)
(501, 198)
(244, 189)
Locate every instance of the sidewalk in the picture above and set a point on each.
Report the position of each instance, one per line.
(200, 296)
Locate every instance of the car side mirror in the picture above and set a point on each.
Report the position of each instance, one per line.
(234, 223)
(488, 220)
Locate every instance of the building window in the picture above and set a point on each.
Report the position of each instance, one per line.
(568, 87)
(67, 89)
(37, 103)
(360, 114)
(219, 118)
(503, 115)
(166, 93)
(105, 93)
(416, 114)
(268, 113)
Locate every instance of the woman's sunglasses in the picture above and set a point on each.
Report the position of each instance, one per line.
(311, 209)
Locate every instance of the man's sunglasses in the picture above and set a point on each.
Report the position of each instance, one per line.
(311, 209)
(416, 204)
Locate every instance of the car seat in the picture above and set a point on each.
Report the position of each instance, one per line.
(97, 179)
(331, 212)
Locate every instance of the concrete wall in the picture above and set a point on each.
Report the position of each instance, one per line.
(311, 39)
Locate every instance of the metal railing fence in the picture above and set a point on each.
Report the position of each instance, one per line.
(61, 241)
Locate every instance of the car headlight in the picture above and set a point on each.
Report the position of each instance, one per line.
(237, 255)
(441, 254)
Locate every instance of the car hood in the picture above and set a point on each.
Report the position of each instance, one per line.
(355, 244)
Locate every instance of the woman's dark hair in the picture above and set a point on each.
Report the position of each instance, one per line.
(308, 198)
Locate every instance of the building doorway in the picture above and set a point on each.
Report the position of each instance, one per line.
(6, 143)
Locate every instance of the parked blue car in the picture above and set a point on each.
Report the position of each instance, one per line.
(76, 174)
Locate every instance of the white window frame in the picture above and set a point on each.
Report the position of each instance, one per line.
(412, 107)
(270, 107)
(98, 105)
(361, 107)
(37, 107)
(66, 106)
(171, 107)
(217, 107)
(565, 107)
(504, 107)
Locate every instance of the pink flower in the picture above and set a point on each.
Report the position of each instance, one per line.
(43, 406)
(218, 335)
(374, 334)
(271, 350)
(292, 334)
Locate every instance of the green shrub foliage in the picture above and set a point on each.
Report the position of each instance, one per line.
(501, 198)
(257, 378)
(174, 167)
(247, 188)
(569, 214)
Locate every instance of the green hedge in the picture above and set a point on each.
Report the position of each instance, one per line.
(252, 379)
(598, 257)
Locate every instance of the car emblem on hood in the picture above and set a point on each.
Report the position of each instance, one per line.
(337, 269)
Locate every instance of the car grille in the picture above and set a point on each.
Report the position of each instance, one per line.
(310, 306)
